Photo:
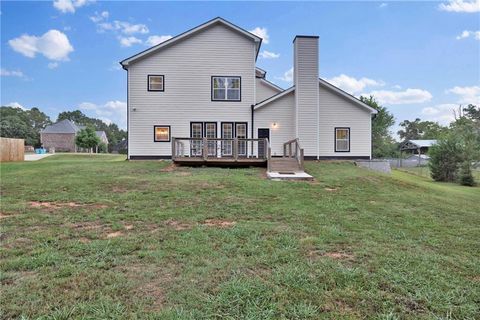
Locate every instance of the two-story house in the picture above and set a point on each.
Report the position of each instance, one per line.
(204, 85)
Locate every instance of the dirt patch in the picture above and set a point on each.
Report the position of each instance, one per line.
(84, 240)
(59, 205)
(119, 189)
(128, 226)
(217, 223)
(3, 215)
(149, 283)
(177, 225)
(114, 234)
(183, 173)
(338, 255)
(331, 189)
(170, 168)
(87, 226)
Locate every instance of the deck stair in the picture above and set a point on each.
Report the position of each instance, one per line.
(290, 166)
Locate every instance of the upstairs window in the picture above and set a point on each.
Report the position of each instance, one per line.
(342, 139)
(156, 82)
(226, 88)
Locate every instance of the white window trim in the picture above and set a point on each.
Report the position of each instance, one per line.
(226, 89)
(340, 139)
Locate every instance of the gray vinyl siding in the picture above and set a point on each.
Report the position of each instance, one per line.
(188, 66)
(264, 90)
(306, 93)
(281, 112)
(336, 111)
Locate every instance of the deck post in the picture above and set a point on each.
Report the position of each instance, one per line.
(269, 155)
(173, 148)
(235, 149)
(301, 160)
(205, 149)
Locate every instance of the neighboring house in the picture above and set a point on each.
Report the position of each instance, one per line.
(204, 83)
(417, 146)
(61, 136)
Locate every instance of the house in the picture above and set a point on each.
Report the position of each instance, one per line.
(417, 146)
(61, 136)
(200, 95)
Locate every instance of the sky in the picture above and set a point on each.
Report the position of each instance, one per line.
(419, 59)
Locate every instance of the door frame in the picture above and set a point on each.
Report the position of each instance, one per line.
(258, 137)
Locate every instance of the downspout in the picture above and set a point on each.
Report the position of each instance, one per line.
(252, 120)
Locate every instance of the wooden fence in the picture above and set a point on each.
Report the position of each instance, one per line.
(12, 149)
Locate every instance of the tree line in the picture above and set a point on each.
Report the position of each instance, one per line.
(27, 124)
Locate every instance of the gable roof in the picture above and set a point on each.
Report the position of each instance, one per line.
(415, 144)
(64, 126)
(324, 84)
(273, 98)
(346, 95)
(186, 34)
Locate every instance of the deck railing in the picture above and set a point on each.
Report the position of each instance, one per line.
(292, 149)
(217, 148)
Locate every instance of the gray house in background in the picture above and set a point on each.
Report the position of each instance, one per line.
(61, 136)
(200, 94)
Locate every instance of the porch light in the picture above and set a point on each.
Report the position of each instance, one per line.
(274, 125)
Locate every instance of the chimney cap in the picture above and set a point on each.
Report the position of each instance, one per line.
(302, 36)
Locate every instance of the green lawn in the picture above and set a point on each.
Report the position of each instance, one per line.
(97, 237)
(425, 172)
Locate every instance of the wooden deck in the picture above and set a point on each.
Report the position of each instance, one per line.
(220, 152)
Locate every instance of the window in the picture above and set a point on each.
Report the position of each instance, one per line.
(226, 88)
(342, 139)
(161, 133)
(156, 83)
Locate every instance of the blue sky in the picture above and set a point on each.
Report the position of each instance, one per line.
(420, 59)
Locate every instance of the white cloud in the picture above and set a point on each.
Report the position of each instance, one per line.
(269, 55)
(112, 111)
(100, 16)
(262, 33)
(53, 44)
(11, 73)
(16, 105)
(468, 6)
(154, 40)
(400, 97)
(128, 41)
(53, 65)
(466, 94)
(397, 86)
(69, 6)
(287, 76)
(466, 34)
(122, 27)
(383, 5)
(442, 113)
(352, 85)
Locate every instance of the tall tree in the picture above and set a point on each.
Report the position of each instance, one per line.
(383, 143)
(23, 124)
(419, 129)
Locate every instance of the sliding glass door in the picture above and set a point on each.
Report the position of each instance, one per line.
(241, 133)
(227, 133)
(196, 131)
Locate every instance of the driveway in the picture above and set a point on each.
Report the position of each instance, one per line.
(35, 157)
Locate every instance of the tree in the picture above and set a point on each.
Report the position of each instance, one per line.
(466, 176)
(419, 129)
(87, 138)
(23, 124)
(383, 143)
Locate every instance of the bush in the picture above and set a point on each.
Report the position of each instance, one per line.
(102, 148)
(445, 157)
(465, 175)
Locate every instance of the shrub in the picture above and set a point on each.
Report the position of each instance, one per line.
(465, 175)
(445, 157)
(102, 147)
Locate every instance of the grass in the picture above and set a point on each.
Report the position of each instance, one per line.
(424, 171)
(97, 237)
